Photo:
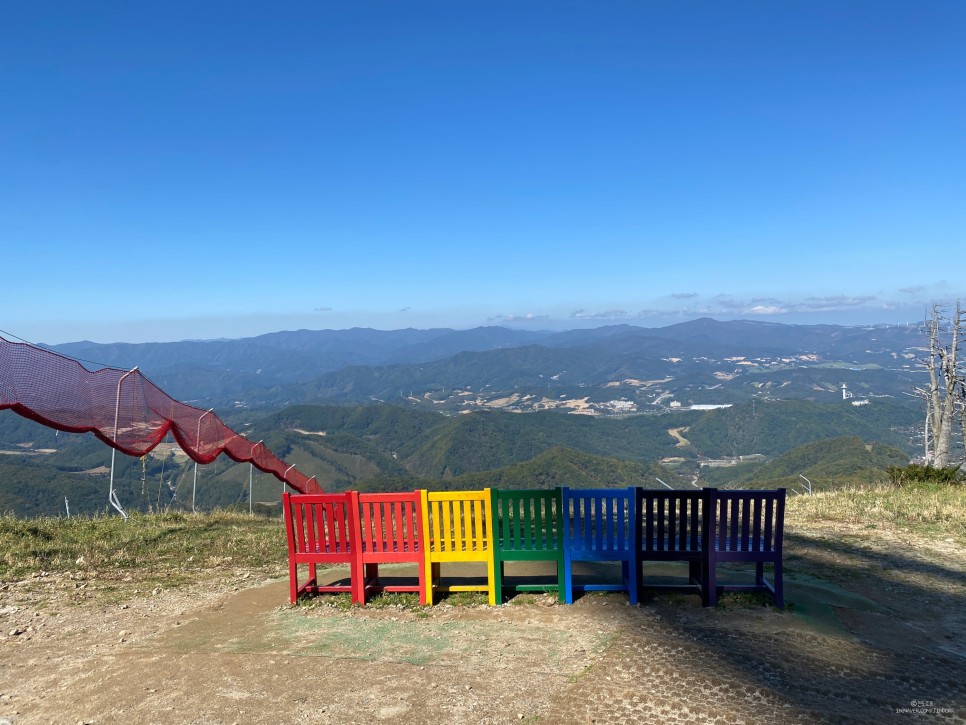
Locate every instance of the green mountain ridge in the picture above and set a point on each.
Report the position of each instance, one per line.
(828, 463)
(371, 446)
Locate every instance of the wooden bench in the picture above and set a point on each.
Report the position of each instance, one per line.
(672, 529)
(456, 528)
(390, 532)
(600, 525)
(745, 526)
(526, 526)
(321, 530)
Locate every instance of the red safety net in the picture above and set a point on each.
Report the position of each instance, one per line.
(125, 410)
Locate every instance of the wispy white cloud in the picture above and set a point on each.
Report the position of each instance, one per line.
(322, 309)
(833, 308)
(526, 317)
(766, 310)
(605, 315)
(833, 303)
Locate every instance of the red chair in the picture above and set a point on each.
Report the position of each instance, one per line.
(322, 529)
(390, 532)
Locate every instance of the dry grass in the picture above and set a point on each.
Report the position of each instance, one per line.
(162, 545)
(931, 511)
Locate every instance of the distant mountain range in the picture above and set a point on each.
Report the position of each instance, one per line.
(616, 369)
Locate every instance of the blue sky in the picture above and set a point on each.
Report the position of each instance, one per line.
(202, 170)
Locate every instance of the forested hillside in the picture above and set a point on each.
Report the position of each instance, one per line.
(825, 464)
(385, 446)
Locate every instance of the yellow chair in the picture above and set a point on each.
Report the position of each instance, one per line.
(456, 528)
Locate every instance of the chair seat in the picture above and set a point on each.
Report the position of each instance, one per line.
(347, 549)
(737, 547)
(671, 546)
(396, 548)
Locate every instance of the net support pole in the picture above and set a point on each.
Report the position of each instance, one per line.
(251, 476)
(194, 484)
(284, 475)
(111, 494)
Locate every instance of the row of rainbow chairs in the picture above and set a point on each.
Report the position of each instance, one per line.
(564, 526)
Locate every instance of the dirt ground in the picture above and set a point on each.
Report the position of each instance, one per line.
(875, 632)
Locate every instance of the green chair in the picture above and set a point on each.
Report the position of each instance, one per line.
(526, 526)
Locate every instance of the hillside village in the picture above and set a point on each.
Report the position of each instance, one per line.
(704, 384)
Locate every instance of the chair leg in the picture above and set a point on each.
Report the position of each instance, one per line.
(568, 577)
(779, 588)
(494, 595)
(424, 584)
(357, 584)
(561, 585)
(760, 574)
(710, 585)
(631, 567)
(694, 573)
(432, 579)
(372, 572)
(498, 582)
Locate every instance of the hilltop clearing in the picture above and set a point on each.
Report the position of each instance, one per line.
(175, 619)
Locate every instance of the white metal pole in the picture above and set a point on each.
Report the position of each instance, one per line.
(806, 481)
(662, 483)
(285, 474)
(251, 475)
(194, 485)
(111, 496)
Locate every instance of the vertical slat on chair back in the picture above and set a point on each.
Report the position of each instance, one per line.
(600, 520)
(319, 523)
(670, 520)
(749, 520)
(527, 520)
(390, 522)
(457, 521)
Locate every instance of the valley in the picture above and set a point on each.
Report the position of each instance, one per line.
(701, 403)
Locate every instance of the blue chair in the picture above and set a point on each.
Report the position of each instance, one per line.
(601, 525)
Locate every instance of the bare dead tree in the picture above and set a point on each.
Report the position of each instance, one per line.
(926, 437)
(946, 384)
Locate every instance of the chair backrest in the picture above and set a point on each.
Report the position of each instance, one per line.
(456, 523)
(748, 521)
(600, 521)
(528, 520)
(319, 523)
(671, 521)
(390, 523)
